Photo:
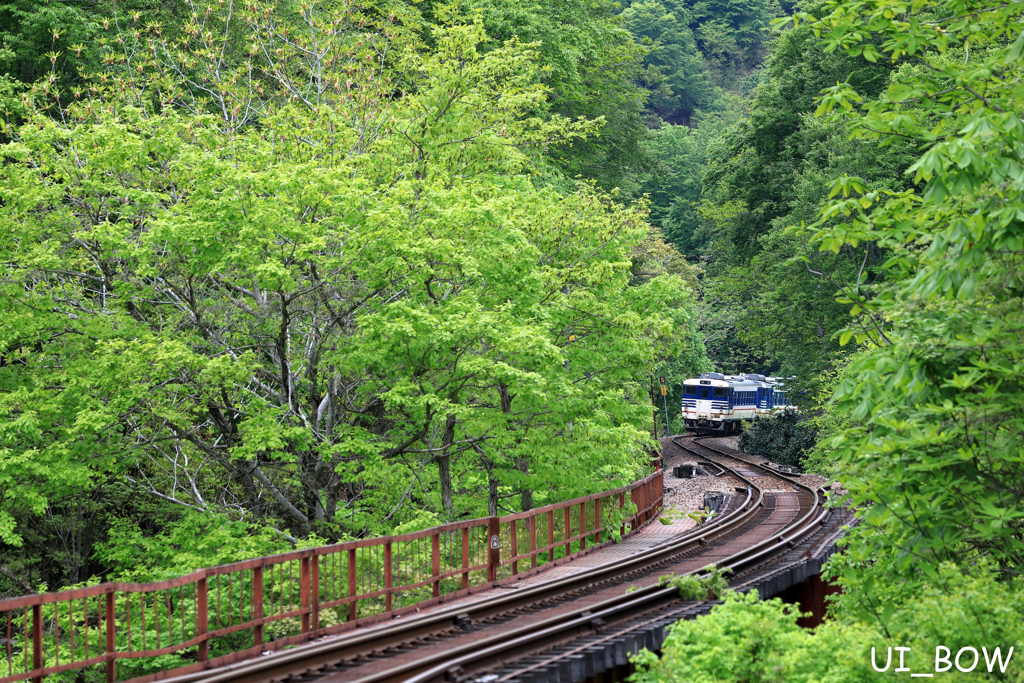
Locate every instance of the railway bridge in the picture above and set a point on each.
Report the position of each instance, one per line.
(541, 596)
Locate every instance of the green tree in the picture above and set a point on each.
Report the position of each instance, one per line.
(45, 38)
(310, 303)
(937, 464)
(674, 63)
(590, 64)
(762, 160)
(769, 297)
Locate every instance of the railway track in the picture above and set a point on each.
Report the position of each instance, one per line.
(774, 531)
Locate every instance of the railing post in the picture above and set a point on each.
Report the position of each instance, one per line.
(304, 570)
(638, 500)
(634, 499)
(352, 612)
(435, 553)
(551, 535)
(583, 525)
(515, 550)
(622, 504)
(314, 595)
(652, 499)
(111, 644)
(645, 496)
(648, 502)
(568, 533)
(37, 641)
(533, 541)
(257, 605)
(638, 493)
(643, 500)
(465, 557)
(648, 494)
(202, 619)
(493, 548)
(387, 575)
(642, 504)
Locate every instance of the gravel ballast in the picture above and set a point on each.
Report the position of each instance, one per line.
(687, 495)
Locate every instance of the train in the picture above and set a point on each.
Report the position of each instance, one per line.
(715, 403)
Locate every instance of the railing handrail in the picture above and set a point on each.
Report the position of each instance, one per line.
(365, 575)
(264, 560)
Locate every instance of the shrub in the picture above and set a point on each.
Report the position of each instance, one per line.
(746, 639)
(783, 438)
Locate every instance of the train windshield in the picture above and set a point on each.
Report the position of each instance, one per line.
(690, 390)
(720, 392)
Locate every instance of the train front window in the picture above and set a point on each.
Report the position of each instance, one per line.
(690, 391)
(720, 392)
(703, 393)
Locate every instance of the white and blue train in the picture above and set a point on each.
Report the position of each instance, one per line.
(718, 404)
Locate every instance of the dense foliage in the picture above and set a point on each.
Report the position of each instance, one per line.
(286, 272)
(922, 244)
(785, 438)
(334, 299)
(937, 380)
(747, 639)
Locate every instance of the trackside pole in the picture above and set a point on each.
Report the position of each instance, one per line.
(654, 413)
(664, 399)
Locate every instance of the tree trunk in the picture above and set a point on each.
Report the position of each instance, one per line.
(311, 501)
(444, 469)
(492, 482)
(331, 506)
(243, 475)
(525, 494)
(492, 493)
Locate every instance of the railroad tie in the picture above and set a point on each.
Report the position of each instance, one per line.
(577, 668)
(621, 650)
(564, 669)
(606, 657)
(541, 675)
(594, 660)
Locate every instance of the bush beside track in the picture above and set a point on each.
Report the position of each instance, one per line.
(782, 438)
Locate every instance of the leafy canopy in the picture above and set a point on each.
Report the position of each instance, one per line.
(304, 296)
(937, 464)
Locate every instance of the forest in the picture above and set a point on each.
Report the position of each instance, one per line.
(280, 274)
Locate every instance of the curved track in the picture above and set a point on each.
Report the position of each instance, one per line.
(572, 628)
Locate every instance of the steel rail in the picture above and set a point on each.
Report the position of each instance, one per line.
(821, 492)
(792, 533)
(617, 633)
(513, 646)
(443, 621)
(510, 647)
(310, 659)
(597, 653)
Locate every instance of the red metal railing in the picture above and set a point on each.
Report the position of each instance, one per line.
(218, 615)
